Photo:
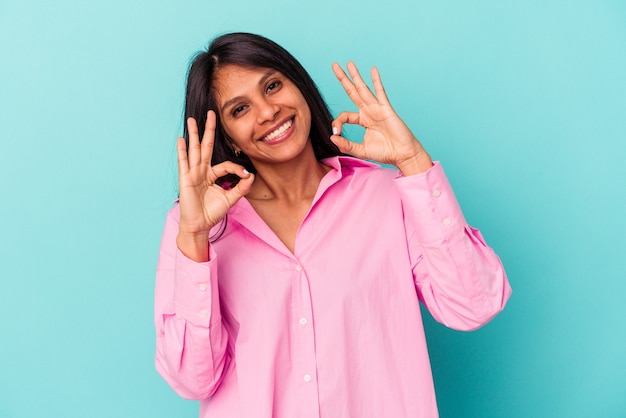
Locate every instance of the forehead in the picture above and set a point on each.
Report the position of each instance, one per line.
(234, 80)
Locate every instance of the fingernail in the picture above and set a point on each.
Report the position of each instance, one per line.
(245, 171)
(335, 130)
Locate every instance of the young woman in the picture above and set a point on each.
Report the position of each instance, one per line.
(290, 273)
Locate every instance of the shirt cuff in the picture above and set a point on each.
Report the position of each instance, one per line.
(196, 297)
(430, 205)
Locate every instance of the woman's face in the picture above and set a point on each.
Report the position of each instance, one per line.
(263, 113)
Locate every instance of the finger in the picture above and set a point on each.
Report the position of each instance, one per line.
(348, 147)
(208, 139)
(183, 163)
(381, 95)
(343, 118)
(363, 90)
(347, 85)
(228, 167)
(241, 189)
(193, 153)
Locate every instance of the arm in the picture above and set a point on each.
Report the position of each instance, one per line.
(458, 277)
(191, 342)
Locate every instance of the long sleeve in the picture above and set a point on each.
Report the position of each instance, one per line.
(191, 342)
(459, 278)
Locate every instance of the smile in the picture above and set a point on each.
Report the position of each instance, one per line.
(279, 131)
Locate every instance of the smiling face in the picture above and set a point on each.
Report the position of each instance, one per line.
(264, 114)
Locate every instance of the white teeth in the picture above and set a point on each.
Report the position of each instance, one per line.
(278, 132)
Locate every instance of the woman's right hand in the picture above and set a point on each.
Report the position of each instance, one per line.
(203, 203)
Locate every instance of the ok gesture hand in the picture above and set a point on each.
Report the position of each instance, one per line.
(203, 203)
(387, 139)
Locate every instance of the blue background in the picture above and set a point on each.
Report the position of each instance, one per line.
(524, 102)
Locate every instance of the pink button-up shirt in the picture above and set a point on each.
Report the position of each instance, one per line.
(334, 329)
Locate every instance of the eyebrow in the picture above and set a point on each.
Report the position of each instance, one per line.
(262, 81)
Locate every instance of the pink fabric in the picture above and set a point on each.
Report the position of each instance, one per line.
(335, 329)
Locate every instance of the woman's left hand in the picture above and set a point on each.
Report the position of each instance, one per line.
(387, 138)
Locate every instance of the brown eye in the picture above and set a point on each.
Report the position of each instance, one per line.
(237, 110)
(273, 86)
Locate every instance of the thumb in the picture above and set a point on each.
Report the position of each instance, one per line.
(242, 188)
(346, 146)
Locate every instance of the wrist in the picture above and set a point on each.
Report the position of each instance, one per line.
(416, 164)
(194, 246)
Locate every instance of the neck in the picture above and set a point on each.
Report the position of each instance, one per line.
(290, 181)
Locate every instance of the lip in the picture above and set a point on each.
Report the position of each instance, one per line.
(282, 137)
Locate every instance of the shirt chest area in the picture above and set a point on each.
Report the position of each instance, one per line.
(349, 254)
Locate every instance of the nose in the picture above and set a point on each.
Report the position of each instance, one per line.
(267, 111)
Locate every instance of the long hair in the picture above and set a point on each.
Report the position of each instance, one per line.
(251, 51)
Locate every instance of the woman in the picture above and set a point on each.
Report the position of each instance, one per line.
(294, 290)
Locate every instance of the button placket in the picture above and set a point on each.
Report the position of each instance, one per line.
(305, 357)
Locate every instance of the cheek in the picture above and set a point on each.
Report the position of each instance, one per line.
(236, 130)
(307, 116)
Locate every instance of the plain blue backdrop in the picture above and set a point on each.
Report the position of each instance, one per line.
(524, 102)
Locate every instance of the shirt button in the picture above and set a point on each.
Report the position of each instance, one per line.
(302, 321)
(204, 313)
(447, 221)
(202, 287)
(436, 193)
(307, 377)
(298, 268)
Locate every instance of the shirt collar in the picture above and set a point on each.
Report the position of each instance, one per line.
(243, 213)
(339, 161)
